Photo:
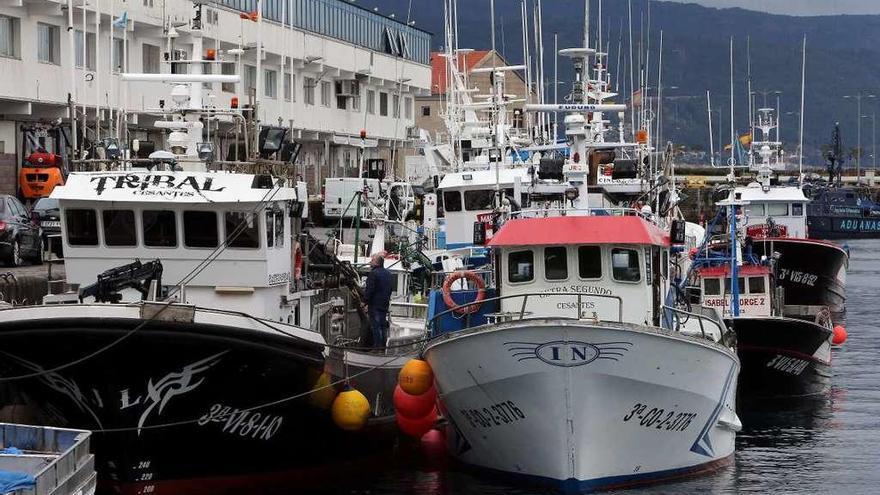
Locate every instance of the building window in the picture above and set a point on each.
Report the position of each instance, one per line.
(9, 36)
(87, 59)
(286, 84)
(325, 93)
(309, 90)
(119, 228)
(228, 70)
(426, 111)
(242, 230)
(590, 262)
(371, 102)
(383, 104)
(151, 59)
(407, 108)
(556, 263)
(47, 43)
(520, 266)
(395, 110)
(82, 227)
(119, 58)
(271, 84)
(250, 79)
(625, 265)
(160, 228)
(200, 229)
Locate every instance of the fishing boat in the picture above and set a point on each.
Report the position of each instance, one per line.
(812, 272)
(780, 356)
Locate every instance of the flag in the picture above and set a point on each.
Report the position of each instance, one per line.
(253, 16)
(122, 21)
(746, 139)
(636, 100)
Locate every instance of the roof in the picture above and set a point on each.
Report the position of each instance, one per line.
(722, 270)
(579, 230)
(467, 61)
(165, 187)
(754, 192)
(476, 178)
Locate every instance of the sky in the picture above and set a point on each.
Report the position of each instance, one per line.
(798, 7)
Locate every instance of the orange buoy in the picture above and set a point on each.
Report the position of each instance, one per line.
(839, 335)
(350, 410)
(416, 377)
(417, 427)
(414, 406)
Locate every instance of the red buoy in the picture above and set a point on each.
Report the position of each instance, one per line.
(414, 406)
(839, 335)
(417, 427)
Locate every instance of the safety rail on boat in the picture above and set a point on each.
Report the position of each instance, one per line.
(681, 317)
(590, 211)
(407, 310)
(437, 278)
(523, 314)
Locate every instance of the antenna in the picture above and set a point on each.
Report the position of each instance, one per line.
(632, 85)
(801, 132)
(711, 143)
(732, 129)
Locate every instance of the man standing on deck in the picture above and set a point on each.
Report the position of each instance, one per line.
(377, 297)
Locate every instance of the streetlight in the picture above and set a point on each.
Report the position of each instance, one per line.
(873, 118)
(858, 98)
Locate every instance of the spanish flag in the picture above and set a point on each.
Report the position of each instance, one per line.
(745, 140)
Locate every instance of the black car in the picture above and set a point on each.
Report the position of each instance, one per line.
(49, 216)
(19, 233)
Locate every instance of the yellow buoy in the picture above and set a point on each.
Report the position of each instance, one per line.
(416, 377)
(350, 410)
(322, 392)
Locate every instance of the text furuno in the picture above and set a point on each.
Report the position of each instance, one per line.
(162, 184)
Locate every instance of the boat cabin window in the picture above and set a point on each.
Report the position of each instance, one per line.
(755, 210)
(82, 227)
(797, 209)
(741, 282)
(160, 228)
(590, 262)
(556, 263)
(756, 285)
(777, 209)
(451, 201)
(712, 286)
(274, 228)
(478, 200)
(200, 229)
(625, 265)
(119, 229)
(520, 266)
(242, 230)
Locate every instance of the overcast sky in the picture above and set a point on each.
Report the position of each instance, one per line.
(798, 7)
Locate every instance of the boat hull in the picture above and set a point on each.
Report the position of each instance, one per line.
(843, 227)
(582, 407)
(813, 273)
(171, 403)
(782, 357)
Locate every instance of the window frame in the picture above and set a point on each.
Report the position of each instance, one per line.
(54, 39)
(544, 265)
(638, 257)
(763, 284)
(270, 82)
(507, 257)
(67, 237)
(134, 228)
(716, 281)
(459, 198)
(144, 230)
(183, 219)
(13, 37)
(600, 258)
(257, 237)
(465, 199)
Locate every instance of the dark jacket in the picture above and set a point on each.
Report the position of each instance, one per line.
(377, 294)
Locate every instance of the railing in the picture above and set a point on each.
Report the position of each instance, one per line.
(437, 278)
(522, 313)
(407, 310)
(591, 211)
(679, 317)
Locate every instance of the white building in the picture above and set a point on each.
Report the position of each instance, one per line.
(330, 68)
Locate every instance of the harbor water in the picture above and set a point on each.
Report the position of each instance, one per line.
(826, 445)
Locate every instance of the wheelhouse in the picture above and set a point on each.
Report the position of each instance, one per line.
(755, 293)
(243, 223)
(783, 207)
(611, 268)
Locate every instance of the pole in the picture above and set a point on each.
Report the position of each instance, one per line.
(555, 84)
(259, 81)
(859, 134)
(632, 87)
(122, 118)
(71, 94)
(98, 70)
(711, 144)
(801, 130)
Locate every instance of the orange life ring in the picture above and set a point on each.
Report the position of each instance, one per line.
(297, 262)
(447, 292)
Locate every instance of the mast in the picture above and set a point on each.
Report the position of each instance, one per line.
(749, 83)
(801, 130)
(632, 85)
(711, 144)
(732, 130)
(71, 94)
(98, 70)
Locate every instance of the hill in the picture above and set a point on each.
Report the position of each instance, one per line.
(842, 59)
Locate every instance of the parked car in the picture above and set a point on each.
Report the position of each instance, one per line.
(49, 217)
(20, 238)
